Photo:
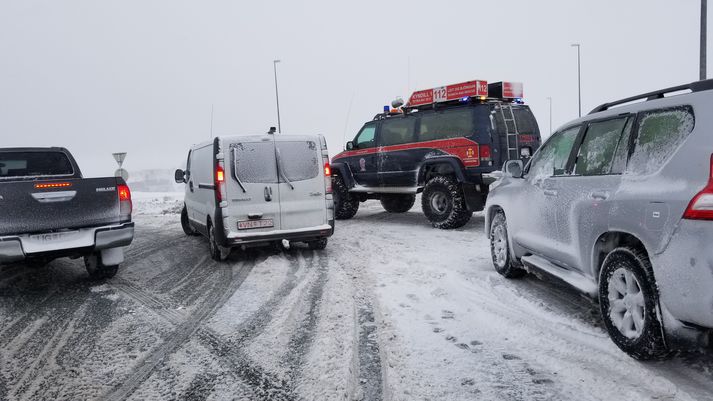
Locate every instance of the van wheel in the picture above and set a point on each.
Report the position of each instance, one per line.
(397, 203)
(97, 270)
(217, 252)
(503, 261)
(186, 224)
(346, 205)
(628, 299)
(443, 203)
(318, 245)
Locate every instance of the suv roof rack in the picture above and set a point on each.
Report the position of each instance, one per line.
(696, 86)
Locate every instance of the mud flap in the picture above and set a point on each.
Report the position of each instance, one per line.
(474, 197)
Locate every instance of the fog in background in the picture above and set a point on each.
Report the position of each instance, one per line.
(140, 76)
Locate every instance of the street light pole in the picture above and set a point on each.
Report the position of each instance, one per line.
(277, 96)
(579, 77)
(550, 100)
(704, 37)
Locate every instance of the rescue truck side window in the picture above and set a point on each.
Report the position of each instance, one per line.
(366, 138)
(397, 131)
(444, 125)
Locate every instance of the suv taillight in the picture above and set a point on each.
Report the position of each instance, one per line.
(125, 205)
(219, 180)
(701, 206)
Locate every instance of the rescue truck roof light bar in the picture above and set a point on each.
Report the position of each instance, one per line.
(464, 91)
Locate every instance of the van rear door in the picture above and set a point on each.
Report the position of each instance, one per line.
(252, 190)
(302, 183)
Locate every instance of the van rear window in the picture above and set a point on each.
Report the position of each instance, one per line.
(34, 164)
(299, 159)
(254, 162)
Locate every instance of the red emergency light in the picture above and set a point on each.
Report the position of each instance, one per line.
(441, 94)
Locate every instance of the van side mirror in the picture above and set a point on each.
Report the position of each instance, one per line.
(350, 145)
(180, 176)
(514, 168)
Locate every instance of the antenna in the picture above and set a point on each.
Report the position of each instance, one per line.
(211, 121)
(346, 123)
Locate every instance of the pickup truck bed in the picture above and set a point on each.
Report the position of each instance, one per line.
(47, 210)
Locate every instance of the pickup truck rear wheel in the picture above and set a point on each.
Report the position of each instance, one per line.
(186, 224)
(397, 203)
(346, 204)
(96, 268)
(444, 204)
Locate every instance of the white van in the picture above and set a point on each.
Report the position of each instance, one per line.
(244, 191)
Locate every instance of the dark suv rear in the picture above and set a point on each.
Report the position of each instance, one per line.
(442, 149)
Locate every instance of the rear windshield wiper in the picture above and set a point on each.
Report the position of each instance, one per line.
(282, 173)
(235, 170)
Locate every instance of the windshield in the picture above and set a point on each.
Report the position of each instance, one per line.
(34, 164)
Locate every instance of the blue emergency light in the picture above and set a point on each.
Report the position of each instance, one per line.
(386, 108)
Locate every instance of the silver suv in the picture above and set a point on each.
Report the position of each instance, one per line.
(619, 205)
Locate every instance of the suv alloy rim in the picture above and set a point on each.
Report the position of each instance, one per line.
(627, 306)
(499, 245)
(439, 202)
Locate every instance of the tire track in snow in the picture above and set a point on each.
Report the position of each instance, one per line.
(224, 289)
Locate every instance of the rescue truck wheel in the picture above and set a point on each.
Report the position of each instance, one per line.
(346, 205)
(444, 204)
(397, 203)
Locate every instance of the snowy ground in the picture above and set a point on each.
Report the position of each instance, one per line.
(392, 310)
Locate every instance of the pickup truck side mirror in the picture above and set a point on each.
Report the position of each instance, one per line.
(514, 168)
(350, 145)
(180, 176)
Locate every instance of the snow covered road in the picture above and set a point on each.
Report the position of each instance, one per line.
(392, 310)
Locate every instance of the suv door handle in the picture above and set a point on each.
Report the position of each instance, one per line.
(599, 195)
(550, 192)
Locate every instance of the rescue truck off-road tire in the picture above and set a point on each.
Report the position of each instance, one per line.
(442, 144)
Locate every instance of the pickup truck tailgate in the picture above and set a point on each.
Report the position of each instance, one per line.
(42, 206)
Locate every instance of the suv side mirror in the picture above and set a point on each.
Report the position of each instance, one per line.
(180, 176)
(514, 168)
(350, 145)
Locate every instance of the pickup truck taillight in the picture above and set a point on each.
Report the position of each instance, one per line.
(125, 205)
(701, 206)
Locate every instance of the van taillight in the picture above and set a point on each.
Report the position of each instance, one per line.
(327, 174)
(219, 180)
(327, 169)
(125, 204)
(484, 153)
(701, 206)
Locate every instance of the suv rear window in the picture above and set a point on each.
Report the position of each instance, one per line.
(447, 124)
(34, 164)
(299, 159)
(659, 134)
(255, 162)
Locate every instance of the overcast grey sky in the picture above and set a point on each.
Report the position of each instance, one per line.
(140, 76)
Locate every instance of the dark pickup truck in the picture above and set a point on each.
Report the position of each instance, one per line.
(48, 211)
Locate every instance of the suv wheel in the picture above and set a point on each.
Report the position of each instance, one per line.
(346, 205)
(629, 304)
(443, 203)
(503, 261)
(217, 252)
(96, 268)
(186, 224)
(397, 203)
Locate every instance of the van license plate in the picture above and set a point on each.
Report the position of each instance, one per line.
(248, 224)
